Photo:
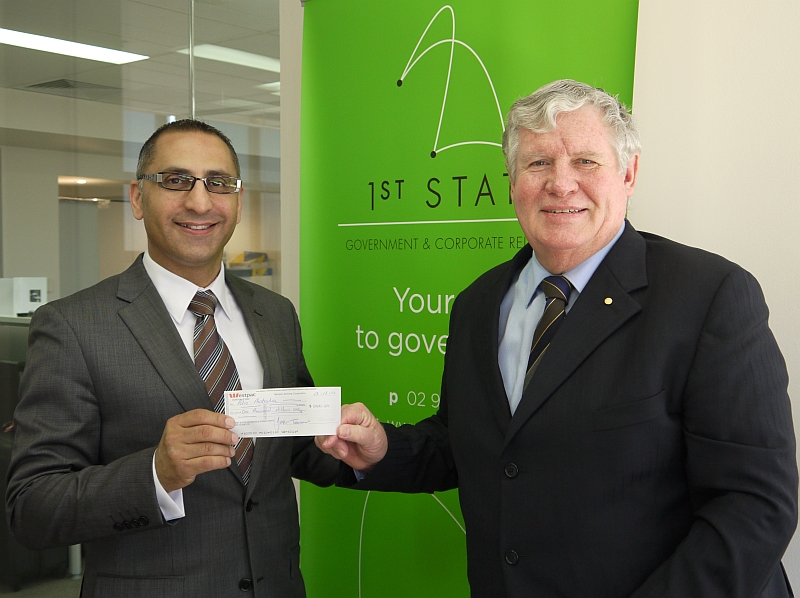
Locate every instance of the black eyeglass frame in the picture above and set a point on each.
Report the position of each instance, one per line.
(159, 178)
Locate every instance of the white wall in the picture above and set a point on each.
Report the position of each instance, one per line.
(716, 96)
(291, 16)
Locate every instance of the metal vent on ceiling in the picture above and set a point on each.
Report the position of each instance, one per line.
(78, 89)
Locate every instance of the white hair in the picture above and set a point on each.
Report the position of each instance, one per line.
(538, 111)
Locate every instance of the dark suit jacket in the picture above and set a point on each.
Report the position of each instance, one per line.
(106, 368)
(653, 453)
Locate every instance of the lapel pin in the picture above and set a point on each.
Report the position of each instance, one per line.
(608, 300)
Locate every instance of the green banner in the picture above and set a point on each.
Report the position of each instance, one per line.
(405, 201)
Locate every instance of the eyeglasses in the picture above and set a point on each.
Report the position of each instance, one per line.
(175, 181)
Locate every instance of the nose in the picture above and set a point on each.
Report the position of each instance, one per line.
(561, 180)
(198, 199)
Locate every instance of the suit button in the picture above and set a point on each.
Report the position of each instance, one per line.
(127, 525)
(245, 585)
(249, 506)
(119, 527)
(144, 521)
(511, 470)
(135, 523)
(512, 558)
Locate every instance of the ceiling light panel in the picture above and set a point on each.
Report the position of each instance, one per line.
(66, 48)
(231, 56)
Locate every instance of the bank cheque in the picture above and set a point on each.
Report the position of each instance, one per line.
(271, 412)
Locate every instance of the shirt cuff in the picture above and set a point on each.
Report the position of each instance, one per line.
(171, 503)
(360, 475)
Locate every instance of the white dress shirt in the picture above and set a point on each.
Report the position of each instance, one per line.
(521, 310)
(177, 293)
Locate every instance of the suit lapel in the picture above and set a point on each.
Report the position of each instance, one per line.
(591, 320)
(151, 325)
(487, 338)
(256, 317)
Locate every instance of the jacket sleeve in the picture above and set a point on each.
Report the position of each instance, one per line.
(740, 456)
(60, 492)
(418, 459)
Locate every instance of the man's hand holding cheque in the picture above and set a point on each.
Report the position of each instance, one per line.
(360, 440)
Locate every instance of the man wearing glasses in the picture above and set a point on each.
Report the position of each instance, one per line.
(121, 444)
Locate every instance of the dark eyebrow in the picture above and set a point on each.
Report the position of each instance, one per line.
(178, 170)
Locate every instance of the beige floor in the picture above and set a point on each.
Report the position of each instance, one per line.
(52, 588)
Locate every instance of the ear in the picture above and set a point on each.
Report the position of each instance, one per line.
(630, 175)
(511, 188)
(135, 195)
(239, 208)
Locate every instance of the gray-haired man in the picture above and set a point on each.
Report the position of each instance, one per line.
(645, 446)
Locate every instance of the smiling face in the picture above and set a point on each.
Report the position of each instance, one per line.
(569, 195)
(187, 230)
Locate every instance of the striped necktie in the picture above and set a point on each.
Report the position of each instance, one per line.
(216, 367)
(556, 291)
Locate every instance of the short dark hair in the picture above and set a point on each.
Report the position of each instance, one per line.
(186, 125)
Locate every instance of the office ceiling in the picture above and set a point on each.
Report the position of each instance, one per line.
(158, 29)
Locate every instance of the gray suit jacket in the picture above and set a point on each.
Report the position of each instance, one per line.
(105, 370)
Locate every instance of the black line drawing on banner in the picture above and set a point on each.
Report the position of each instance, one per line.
(361, 532)
(415, 58)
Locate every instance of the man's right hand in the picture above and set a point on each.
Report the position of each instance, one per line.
(360, 440)
(193, 443)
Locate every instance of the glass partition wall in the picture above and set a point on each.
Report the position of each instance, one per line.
(71, 127)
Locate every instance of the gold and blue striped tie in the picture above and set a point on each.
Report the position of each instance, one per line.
(556, 290)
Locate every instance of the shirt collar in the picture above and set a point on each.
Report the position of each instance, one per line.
(177, 292)
(534, 273)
